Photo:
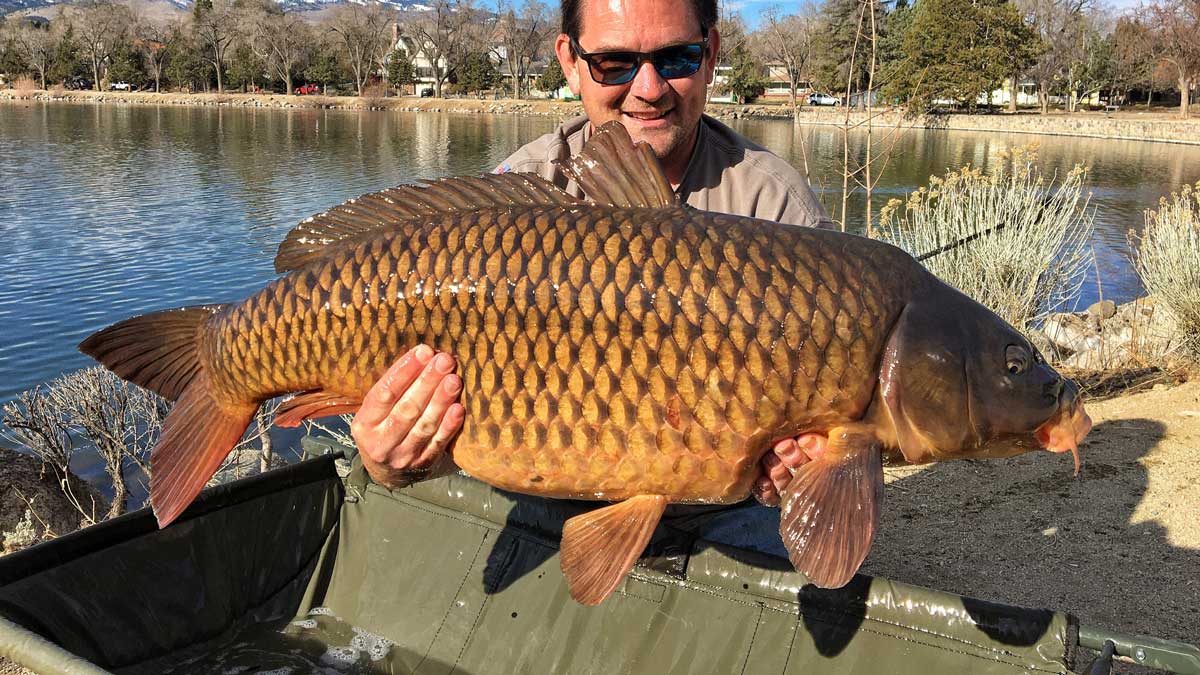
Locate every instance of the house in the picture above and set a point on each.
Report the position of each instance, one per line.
(421, 63)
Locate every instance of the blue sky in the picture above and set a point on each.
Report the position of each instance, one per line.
(751, 10)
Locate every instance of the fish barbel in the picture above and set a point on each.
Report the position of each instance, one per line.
(626, 349)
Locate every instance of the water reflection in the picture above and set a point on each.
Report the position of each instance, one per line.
(108, 211)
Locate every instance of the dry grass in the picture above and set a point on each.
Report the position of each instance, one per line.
(25, 86)
(94, 411)
(1167, 259)
(1031, 233)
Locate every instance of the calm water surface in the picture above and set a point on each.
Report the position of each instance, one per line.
(109, 211)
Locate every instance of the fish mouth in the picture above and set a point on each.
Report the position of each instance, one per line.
(1065, 430)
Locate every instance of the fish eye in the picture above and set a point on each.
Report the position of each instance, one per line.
(1016, 359)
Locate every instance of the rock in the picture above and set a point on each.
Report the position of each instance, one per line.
(1066, 331)
(1105, 309)
(33, 507)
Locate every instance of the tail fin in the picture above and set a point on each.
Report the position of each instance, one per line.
(196, 437)
(158, 351)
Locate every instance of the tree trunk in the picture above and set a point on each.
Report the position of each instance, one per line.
(1043, 98)
(95, 75)
(1149, 97)
(1185, 86)
(220, 85)
(1013, 90)
(288, 79)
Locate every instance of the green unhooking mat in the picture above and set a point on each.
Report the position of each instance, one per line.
(298, 571)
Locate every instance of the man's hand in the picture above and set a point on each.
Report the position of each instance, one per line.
(409, 417)
(778, 466)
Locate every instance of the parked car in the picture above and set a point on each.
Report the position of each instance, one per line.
(427, 91)
(307, 89)
(823, 99)
(122, 86)
(77, 83)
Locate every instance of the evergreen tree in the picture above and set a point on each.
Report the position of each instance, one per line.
(125, 65)
(843, 46)
(68, 62)
(201, 8)
(959, 50)
(245, 69)
(552, 78)
(401, 71)
(187, 66)
(11, 59)
(745, 78)
(476, 72)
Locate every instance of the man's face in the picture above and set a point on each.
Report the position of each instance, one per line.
(663, 113)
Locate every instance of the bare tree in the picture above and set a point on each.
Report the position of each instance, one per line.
(121, 424)
(281, 39)
(153, 36)
(36, 44)
(215, 27)
(438, 35)
(1057, 23)
(1176, 28)
(521, 37)
(99, 26)
(364, 33)
(788, 40)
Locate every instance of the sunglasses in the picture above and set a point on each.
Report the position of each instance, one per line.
(620, 67)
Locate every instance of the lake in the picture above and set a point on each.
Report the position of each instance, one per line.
(108, 211)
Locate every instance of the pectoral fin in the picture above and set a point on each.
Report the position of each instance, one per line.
(831, 508)
(600, 547)
(312, 405)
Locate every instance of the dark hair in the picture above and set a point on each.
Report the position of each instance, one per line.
(705, 10)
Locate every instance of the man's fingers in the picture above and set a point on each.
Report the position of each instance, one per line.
(418, 438)
(764, 491)
(451, 423)
(378, 402)
(408, 409)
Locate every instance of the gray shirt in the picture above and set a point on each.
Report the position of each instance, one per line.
(727, 173)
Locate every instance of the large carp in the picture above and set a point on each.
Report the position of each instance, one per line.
(626, 349)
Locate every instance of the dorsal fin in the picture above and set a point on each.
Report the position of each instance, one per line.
(310, 239)
(611, 169)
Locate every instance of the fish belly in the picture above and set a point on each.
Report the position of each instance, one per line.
(604, 352)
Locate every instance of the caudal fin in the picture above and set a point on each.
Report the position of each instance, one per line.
(156, 351)
(159, 351)
(196, 437)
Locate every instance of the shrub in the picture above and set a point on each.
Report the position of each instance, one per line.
(1167, 258)
(117, 421)
(1031, 235)
(25, 86)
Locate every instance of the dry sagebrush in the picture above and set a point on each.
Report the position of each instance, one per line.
(1032, 234)
(94, 411)
(1167, 258)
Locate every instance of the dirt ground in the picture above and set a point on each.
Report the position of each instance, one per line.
(1118, 547)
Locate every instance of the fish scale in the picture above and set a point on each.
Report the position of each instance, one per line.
(628, 349)
(604, 352)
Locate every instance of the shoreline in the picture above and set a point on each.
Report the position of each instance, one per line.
(1154, 127)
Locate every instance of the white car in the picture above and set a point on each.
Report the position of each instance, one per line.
(823, 99)
(122, 86)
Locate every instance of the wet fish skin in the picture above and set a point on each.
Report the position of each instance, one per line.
(629, 349)
(604, 352)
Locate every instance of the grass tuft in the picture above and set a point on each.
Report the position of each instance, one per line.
(1167, 258)
(1033, 262)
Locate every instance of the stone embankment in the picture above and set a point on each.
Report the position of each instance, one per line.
(1110, 336)
(1129, 124)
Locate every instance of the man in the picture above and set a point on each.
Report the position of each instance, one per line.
(647, 63)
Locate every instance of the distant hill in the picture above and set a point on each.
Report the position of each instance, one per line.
(49, 8)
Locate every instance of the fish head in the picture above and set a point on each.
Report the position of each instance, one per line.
(957, 381)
